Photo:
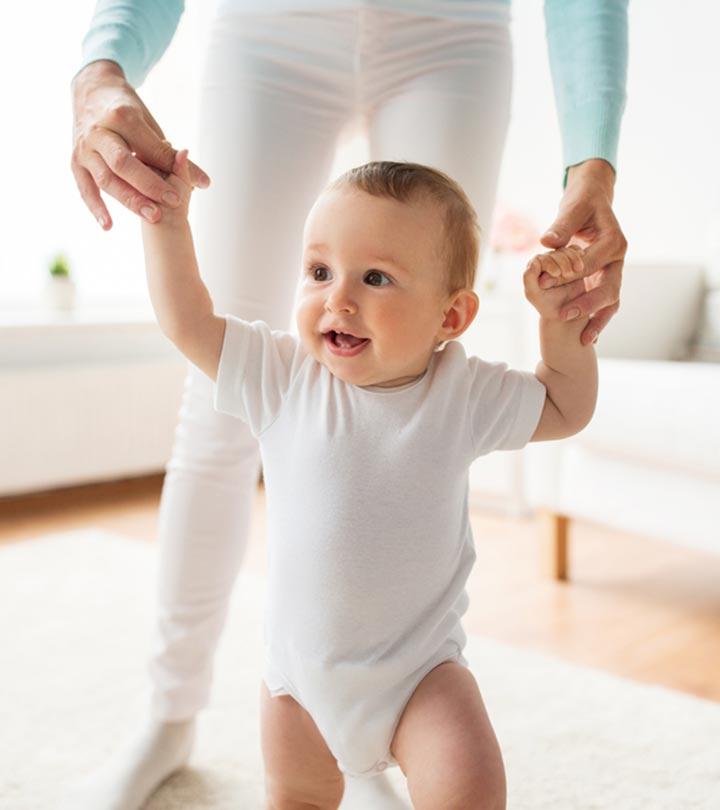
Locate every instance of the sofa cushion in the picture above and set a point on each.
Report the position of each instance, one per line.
(664, 413)
(660, 308)
(707, 341)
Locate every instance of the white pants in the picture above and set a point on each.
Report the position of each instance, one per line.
(278, 89)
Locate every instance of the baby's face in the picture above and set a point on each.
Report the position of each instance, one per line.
(371, 269)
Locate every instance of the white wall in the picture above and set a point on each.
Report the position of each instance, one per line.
(668, 160)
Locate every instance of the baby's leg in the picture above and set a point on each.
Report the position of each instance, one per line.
(300, 771)
(446, 745)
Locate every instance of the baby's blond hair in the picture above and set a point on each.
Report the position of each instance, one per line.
(408, 182)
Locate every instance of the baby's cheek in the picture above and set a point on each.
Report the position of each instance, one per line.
(302, 320)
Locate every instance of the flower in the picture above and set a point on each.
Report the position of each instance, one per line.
(511, 231)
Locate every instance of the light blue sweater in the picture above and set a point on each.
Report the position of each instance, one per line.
(587, 45)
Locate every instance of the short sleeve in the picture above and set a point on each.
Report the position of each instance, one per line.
(256, 368)
(504, 406)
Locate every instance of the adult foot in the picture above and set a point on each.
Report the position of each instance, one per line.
(134, 772)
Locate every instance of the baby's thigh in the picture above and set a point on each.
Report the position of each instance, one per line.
(446, 746)
(300, 770)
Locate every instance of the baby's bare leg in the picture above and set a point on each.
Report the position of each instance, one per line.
(446, 745)
(300, 771)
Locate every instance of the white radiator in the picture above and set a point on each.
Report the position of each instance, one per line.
(85, 398)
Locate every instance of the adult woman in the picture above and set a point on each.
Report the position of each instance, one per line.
(430, 82)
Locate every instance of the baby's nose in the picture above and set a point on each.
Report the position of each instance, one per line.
(340, 300)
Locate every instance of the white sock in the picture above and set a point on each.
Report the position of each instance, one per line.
(133, 773)
(376, 792)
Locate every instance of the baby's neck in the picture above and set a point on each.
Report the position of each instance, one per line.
(398, 383)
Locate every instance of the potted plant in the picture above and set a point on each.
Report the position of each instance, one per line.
(60, 287)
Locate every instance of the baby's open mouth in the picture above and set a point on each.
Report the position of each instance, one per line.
(344, 340)
(343, 344)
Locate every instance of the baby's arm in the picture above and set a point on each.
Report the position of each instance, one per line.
(181, 301)
(567, 369)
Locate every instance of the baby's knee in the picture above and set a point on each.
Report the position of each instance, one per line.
(476, 783)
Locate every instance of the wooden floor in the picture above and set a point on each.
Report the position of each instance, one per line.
(638, 608)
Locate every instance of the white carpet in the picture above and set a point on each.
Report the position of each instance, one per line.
(75, 615)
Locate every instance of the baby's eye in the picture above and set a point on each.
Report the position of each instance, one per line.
(314, 271)
(377, 273)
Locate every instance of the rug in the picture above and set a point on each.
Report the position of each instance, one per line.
(75, 619)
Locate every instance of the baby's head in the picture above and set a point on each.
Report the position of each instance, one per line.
(389, 255)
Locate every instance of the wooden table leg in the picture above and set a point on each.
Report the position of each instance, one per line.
(555, 537)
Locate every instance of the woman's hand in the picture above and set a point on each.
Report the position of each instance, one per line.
(116, 142)
(585, 217)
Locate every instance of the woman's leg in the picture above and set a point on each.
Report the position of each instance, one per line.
(270, 111)
(437, 91)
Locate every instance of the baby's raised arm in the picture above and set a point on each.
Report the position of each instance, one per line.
(181, 301)
(568, 370)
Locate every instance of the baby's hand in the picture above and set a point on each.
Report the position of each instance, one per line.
(565, 266)
(565, 263)
(180, 180)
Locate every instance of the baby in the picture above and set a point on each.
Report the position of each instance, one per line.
(367, 425)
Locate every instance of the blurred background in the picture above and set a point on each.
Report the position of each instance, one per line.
(593, 546)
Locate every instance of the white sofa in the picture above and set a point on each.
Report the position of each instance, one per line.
(649, 461)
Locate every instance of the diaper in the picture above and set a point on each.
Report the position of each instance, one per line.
(356, 713)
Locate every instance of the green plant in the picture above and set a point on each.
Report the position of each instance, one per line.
(60, 266)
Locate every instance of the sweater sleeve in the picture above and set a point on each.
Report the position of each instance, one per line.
(588, 48)
(133, 33)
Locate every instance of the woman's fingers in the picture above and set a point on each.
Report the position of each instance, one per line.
(597, 323)
(601, 293)
(570, 291)
(106, 180)
(609, 247)
(198, 176)
(90, 195)
(131, 166)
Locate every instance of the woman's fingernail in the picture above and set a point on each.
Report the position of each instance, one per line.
(572, 314)
(171, 198)
(148, 211)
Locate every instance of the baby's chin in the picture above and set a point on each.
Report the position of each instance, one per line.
(343, 371)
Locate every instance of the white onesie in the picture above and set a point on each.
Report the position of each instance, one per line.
(369, 542)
